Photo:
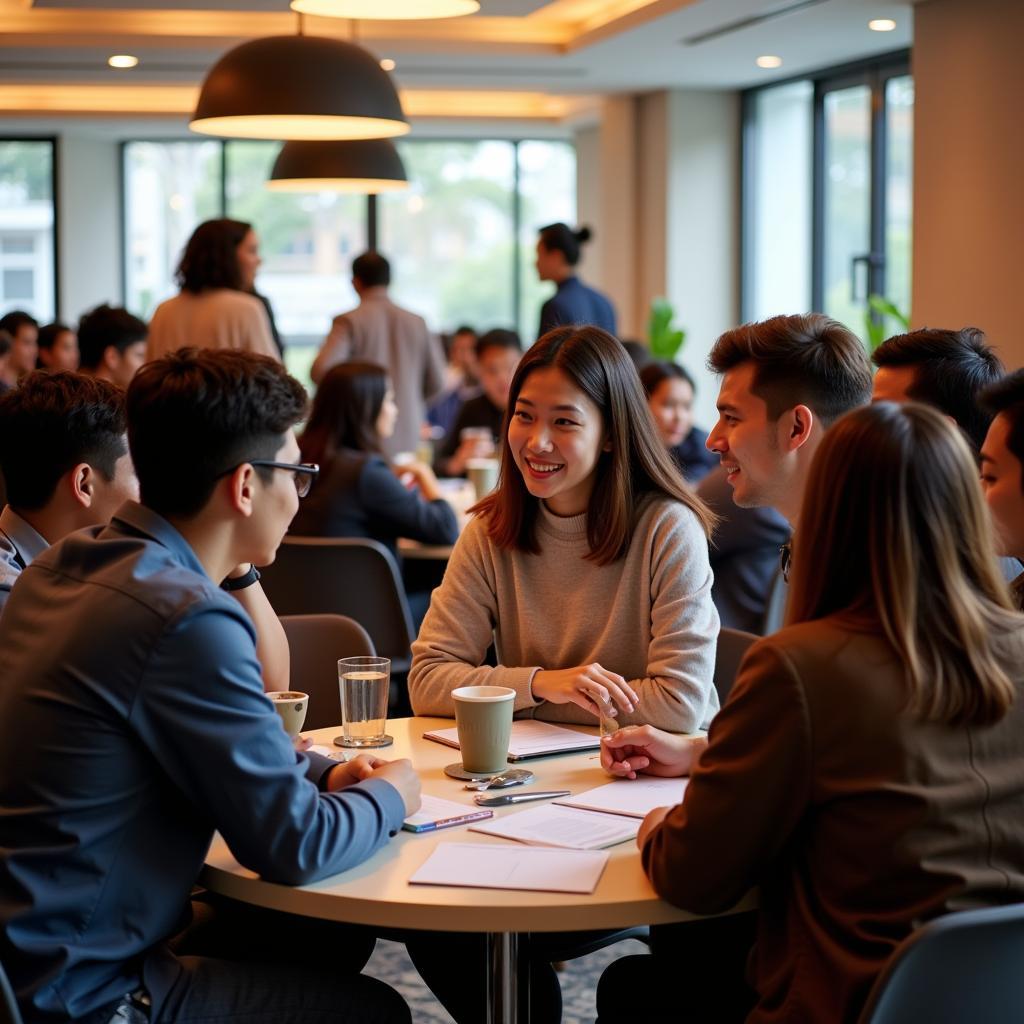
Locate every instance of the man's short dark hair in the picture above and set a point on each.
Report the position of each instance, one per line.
(1006, 397)
(499, 337)
(371, 269)
(196, 414)
(49, 424)
(14, 321)
(807, 359)
(6, 341)
(950, 369)
(105, 326)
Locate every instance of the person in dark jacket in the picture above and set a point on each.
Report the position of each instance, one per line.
(358, 493)
(574, 303)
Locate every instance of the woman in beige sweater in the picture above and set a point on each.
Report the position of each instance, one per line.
(588, 566)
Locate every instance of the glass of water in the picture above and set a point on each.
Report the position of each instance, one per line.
(364, 684)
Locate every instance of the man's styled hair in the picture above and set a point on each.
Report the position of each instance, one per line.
(950, 368)
(49, 424)
(196, 414)
(807, 359)
(1006, 397)
(371, 269)
(14, 321)
(210, 259)
(499, 337)
(105, 326)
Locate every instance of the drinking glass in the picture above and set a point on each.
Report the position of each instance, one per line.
(364, 684)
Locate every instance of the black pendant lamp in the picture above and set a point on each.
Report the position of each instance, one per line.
(386, 10)
(365, 166)
(299, 87)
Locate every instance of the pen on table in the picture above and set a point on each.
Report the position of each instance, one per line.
(460, 819)
(517, 798)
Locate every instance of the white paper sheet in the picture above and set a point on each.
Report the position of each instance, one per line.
(493, 866)
(530, 738)
(567, 827)
(438, 812)
(632, 797)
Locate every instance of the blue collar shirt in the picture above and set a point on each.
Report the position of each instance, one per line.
(19, 544)
(133, 724)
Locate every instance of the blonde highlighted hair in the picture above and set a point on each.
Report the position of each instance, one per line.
(893, 526)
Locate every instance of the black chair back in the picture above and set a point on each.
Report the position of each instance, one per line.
(732, 646)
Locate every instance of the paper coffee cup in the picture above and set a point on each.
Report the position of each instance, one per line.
(291, 705)
(483, 717)
(483, 475)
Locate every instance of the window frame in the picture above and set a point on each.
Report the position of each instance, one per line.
(874, 72)
(54, 142)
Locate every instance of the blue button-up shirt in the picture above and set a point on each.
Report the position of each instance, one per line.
(132, 724)
(576, 304)
(19, 544)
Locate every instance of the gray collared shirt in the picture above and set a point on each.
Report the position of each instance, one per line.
(19, 544)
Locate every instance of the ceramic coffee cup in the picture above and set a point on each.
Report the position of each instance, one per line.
(291, 706)
(483, 717)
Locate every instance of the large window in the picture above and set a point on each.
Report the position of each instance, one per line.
(460, 239)
(27, 228)
(827, 194)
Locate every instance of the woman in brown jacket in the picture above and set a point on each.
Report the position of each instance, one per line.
(867, 770)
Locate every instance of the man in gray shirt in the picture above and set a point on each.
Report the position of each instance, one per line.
(382, 333)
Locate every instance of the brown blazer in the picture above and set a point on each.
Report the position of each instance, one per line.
(858, 822)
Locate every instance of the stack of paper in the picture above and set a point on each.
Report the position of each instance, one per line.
(530, 738)
(512, 867)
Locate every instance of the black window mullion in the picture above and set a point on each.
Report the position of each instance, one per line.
(517, 216)
(879, 142)
(818, 199)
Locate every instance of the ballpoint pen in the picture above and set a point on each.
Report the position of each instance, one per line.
(517, 798)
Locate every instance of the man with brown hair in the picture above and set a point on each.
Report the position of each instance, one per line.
(784, 382)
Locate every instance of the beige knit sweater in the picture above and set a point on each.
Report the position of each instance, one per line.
(647, 616)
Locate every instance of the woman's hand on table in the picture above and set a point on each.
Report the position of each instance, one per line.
(650, 823)
(423, 476)
(586, 685)
(644, 749)
(368, 766)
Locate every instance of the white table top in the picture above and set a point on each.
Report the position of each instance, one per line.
(378, 893)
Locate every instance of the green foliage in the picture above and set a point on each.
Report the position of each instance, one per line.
(665, 339)
(27, 166)
(879, 311)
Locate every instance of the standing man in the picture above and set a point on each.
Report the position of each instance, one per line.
(378, 331)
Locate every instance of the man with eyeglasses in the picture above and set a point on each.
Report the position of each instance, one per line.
(133, 724)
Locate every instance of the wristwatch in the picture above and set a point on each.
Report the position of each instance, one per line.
(243, 581)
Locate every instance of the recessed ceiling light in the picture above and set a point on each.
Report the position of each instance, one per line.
(387, 64)
(769, 61)
(122, 60)
(881, 24)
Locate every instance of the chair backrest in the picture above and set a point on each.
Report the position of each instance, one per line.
(967, 966)
(732, 645)
(775, 607)
(9, 1013)
(353, 577)
(316, 642)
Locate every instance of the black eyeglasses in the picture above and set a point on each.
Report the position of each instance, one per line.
(304, 473)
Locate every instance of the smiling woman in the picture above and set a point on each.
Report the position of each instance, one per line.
(588, 566)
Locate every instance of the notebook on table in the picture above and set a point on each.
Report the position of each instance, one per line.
(530, 738)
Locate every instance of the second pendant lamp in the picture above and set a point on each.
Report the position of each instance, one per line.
(365, 166)
(299, 87)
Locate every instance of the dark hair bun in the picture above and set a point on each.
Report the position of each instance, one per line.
(583, 235)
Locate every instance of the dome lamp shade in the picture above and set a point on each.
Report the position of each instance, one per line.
(299, 87)
(366, 166)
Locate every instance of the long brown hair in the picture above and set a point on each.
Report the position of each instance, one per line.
(345, 412)
(893, 527)
(637, 465)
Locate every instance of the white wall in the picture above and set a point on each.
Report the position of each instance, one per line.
(88, 224)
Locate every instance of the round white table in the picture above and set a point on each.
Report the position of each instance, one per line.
(378, 892)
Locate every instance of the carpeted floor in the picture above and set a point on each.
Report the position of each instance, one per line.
(391, 963)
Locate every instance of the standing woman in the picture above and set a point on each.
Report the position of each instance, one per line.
(215, 307)
(865, 771)
(574, 303)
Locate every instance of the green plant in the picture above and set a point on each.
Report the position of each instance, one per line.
(665, 339)
(875, 325)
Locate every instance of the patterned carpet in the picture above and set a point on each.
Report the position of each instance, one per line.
(391, 963)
